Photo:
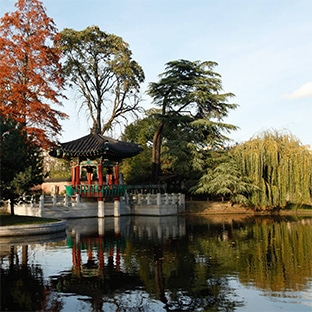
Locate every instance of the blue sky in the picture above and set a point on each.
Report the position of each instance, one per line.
(263, 48)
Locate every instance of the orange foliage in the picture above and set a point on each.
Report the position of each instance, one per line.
(31, 79)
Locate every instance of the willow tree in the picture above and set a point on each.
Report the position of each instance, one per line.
(100, 67)
(279, 166)
(193, 106)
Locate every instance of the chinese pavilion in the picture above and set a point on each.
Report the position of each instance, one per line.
(97, 157)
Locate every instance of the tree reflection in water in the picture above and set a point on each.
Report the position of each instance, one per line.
(181, 264)
(136, 271)
(23, 287)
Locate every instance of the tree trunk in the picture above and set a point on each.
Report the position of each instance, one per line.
(156, 169)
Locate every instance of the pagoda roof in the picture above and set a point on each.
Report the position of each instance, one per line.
(94, 146)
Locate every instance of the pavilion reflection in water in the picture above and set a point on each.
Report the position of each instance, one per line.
(99, 248)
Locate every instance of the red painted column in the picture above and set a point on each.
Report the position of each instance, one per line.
(118, 258)
(110, 177)
(76, 258)
(73, 175)
(100, 175)
(116, 198)
(77, 175)
(90, 253)
(117, 174)
(89, 176)
(101, 254)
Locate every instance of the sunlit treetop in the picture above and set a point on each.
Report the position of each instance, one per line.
(31, 79)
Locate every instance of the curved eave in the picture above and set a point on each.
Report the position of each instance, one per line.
(96, 145)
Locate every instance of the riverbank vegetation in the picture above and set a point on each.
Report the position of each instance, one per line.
(272, 170)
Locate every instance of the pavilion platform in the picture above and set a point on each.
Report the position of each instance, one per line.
(66, 207)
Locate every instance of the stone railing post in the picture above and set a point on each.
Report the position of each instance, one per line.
(166, 199)
(179, 199)
(139, 199)
(173, 199)
(66, 200)
(158, 199)
(126, 198)
(54, 199)
(148, 199)
(78, 198)
(41, 202)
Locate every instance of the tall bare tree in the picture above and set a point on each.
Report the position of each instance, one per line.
(101, 67)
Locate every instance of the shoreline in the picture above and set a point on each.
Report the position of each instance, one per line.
(193, 208)
(32, 229)
(224, 208)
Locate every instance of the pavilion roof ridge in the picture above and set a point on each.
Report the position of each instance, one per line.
(96, 145)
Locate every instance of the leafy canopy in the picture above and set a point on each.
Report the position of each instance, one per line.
(192, 108)
(21, 163)
(137, 170)
(225, 178)
(31, 78)
(280, 166)
(269, 171)
(101, 67)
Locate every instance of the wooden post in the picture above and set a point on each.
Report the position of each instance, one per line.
(117, 174)
(116, 198)
(100, 174)
(77, 178)
(89, 177)
(109, 176)
(73, 175)
(101, 254)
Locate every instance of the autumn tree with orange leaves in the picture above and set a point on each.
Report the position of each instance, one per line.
(31, 81)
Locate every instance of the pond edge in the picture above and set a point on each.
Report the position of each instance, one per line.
(33, 229)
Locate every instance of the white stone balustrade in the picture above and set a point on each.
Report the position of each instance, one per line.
(138, 204)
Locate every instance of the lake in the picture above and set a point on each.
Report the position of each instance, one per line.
(215, 263)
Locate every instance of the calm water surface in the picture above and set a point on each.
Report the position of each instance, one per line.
(231, 263)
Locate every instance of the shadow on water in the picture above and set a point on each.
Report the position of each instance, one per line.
(162, 264)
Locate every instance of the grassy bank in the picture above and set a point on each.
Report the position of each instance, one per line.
(7, 219)
(217, 207)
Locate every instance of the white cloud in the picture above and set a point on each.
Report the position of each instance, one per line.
(302, 92)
